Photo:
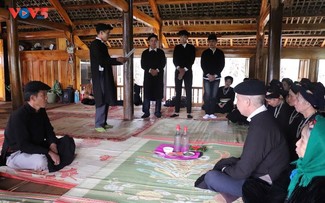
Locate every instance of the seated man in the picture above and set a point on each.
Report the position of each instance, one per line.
(30, 142)
(265, 153)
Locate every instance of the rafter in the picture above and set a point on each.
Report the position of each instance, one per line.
(45, 24)
(94, 22)
(67, 19)
(58, 7)
(156, 14)
(264, 17)
(212, 28)
(40, 35)
(137, 14)
(118, 4)
(137, 3)
(136, 30)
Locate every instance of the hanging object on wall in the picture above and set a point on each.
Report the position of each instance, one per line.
(70, 50)
(21, 48)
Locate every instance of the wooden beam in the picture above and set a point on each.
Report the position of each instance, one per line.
(79, 43)
(137, 14)
(144, 18)
(156, 14)
(75, 39)
(264, 16)
(40, 35)
(212, 28)
(45, 24)
(229, 52)
(87, 6)
(118, 4)
(139, 3)
(115, 31)
(94, 22)
(164, 41)
(155, 10)
(58, 7)
(305, 26)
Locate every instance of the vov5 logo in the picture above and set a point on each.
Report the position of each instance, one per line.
(38, 13)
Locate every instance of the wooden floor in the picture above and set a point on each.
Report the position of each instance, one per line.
(14, 185)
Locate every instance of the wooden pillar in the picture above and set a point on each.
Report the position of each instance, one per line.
(14, 62)
(2, 73)
(252, 67)
(259, 71)
(61, 44)
(313, 70)
(275, 43)
(128, 66)
(303, 69)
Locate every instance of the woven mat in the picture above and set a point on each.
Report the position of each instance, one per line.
(91, 155)
(139, 175)
(199, 131)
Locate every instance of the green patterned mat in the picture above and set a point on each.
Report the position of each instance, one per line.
(139, 175)
(199, 131)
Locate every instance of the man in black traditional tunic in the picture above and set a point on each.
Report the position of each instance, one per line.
(102, 76)
(153, 61)
(265, 153)
(30, 142)
(183, 58)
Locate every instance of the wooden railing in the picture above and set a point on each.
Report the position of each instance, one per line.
(197, 94)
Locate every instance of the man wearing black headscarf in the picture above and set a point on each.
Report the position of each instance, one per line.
(183, 58)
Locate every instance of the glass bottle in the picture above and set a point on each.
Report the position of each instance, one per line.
(185, 141)
(177, 139)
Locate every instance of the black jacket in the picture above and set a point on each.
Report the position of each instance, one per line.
(184, 57)
(28, 131)
(99, 57)
(212, 63)
(265, 150)
(153, 85)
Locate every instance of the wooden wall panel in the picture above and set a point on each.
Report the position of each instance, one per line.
(47, 66)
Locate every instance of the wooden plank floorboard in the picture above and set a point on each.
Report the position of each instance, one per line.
(15, 185)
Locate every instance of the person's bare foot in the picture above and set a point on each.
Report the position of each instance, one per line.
(225, 198)
(219, 198)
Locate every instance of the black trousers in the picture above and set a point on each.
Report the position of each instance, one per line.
(66, 148)
(257, 190)
(188, 80)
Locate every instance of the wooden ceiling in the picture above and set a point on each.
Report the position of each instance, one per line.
(235, 21)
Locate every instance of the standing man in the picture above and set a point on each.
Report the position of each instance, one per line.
(183, 58)
(29, 140)
(153, 61)
(102, 76)
(212, 64)
(265, 153)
